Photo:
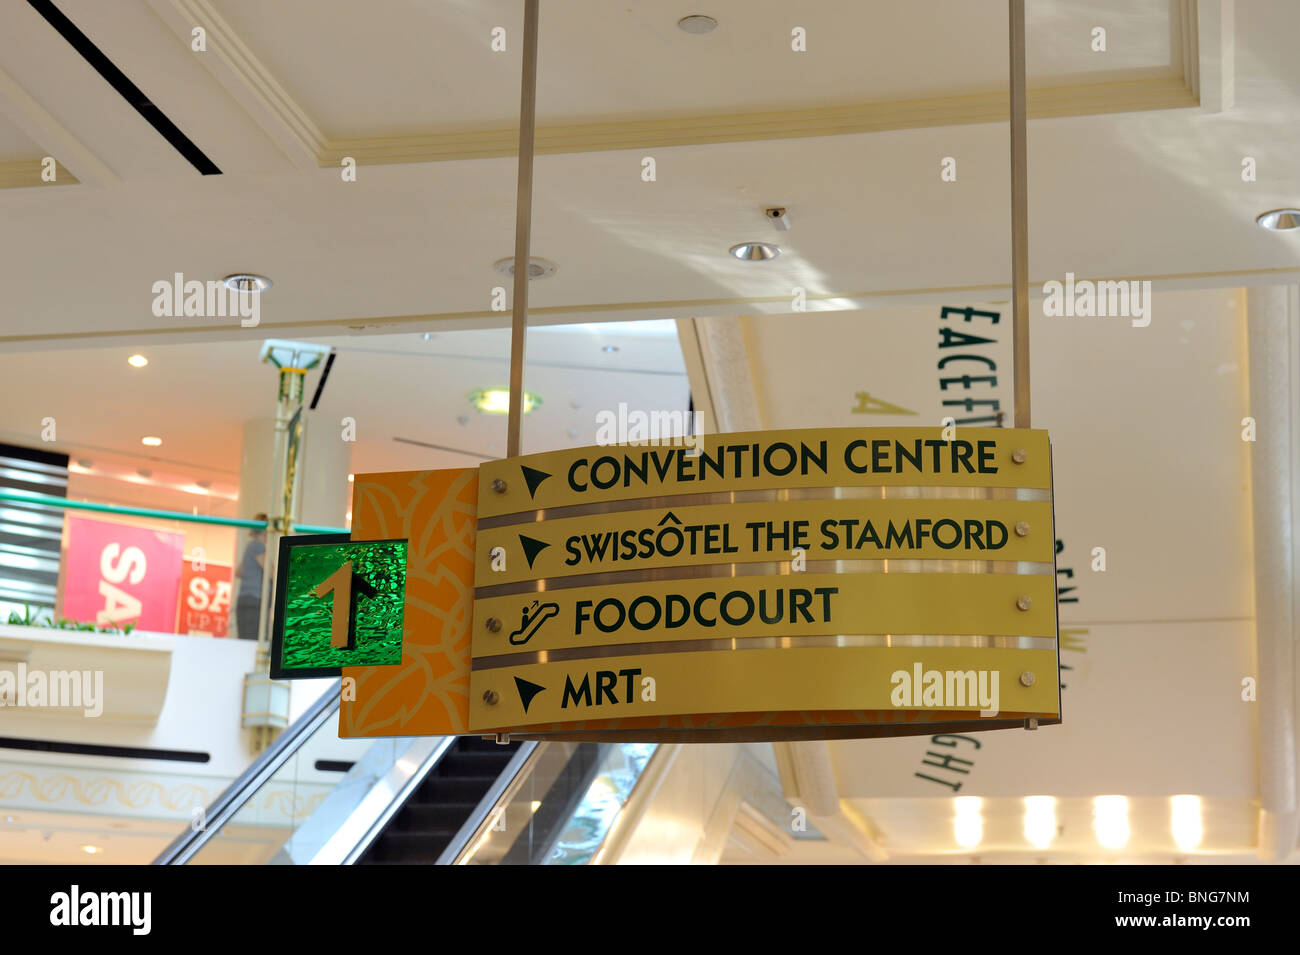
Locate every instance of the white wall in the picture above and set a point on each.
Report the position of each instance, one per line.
(201, 712)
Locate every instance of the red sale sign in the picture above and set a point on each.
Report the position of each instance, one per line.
(205, 599)
(117, 574)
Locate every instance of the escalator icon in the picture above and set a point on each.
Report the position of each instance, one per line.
(534, 615)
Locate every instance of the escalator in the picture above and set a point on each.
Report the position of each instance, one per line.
(430, 819)
(415, 801)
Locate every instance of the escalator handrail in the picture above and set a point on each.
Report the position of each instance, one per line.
(437, 751)
(224, 807)
(519, 766)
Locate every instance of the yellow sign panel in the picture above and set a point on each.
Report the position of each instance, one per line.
(617, 602)
(981, 683)
(859, 529)
(834, 457)
(791, 605)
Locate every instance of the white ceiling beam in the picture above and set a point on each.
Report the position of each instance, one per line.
(246, 79)
(21, 108)
(1212, 33)
(1273, 331)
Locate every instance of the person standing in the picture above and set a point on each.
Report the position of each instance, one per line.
(249, 606)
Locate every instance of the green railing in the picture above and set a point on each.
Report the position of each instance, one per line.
(49, 500)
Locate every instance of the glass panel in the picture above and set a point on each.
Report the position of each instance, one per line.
(582, 837)
(291, 815)
(562, 805)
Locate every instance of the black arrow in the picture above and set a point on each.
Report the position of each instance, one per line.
(532, 477)
(532, 548)
(527, 691)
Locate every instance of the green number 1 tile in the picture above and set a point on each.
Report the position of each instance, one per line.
(338, 603)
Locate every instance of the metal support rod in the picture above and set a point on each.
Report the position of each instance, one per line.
(1019, 217)
(523, 226)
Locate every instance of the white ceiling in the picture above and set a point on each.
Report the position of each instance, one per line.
(1151, 193)
(197, 396)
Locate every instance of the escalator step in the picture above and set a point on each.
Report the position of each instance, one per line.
(473, 764)
(427, 817)
(411, 847)
(475, 744)
(454, 789)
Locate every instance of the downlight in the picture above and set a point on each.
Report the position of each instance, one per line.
(497, 400)
(754, 251)
(697, 23)
(537, 268)
(246, 282)
(1280, 220)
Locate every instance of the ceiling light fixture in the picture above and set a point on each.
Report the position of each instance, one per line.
(1280, 220)
(754, 251)
(537, 268)
(968, 822)
(610, 349)
(1185, 822)
(1040, 821)
(137, 361)
(697, 23)
(91, 850)
(497, 400)
(151, 441)
(1110, 821)
(246, 282)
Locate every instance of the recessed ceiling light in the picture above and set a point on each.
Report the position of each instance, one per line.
(754, 251)
(91, 850)
(610, 349)
(497, 400)
(246, 282)
(698, 23)
(1280, 220)
(537, 268)
(352, 477)
(151, 441)
(137, 361)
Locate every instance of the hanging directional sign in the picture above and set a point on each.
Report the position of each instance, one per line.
(977, 684)
(864, 577)
(774, 585)
(836, 457)
(745, 533)
(788, 605)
